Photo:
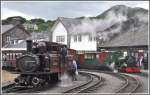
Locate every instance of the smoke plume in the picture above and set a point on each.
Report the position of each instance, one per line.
(97, 26)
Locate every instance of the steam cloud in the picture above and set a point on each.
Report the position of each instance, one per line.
(99, 27)
(96, 27)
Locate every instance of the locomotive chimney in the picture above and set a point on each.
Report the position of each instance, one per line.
(29, 45)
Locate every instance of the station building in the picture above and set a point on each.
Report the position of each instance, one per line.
(91, 50)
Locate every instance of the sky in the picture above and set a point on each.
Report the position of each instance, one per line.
(51, 10)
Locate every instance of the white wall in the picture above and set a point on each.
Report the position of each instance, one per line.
(84, 45)
(59, 31)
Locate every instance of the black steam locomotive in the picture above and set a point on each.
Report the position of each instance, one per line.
(41, 64)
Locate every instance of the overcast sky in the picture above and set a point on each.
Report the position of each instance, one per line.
(49, 10)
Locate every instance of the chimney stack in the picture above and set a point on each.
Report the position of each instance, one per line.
(29, 45)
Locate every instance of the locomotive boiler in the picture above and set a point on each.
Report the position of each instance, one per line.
(41, 64)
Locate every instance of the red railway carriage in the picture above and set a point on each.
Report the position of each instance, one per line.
(9, 58)
(72, 52)
(102, 56)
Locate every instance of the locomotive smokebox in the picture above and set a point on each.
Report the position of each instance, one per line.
(29, 45)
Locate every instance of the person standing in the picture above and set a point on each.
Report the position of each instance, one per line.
(64, 54)
(141, 61)
(72, 69)
(75, 72)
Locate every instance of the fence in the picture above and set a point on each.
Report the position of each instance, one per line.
(9, 58)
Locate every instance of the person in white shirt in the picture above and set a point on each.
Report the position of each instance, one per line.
(72, 69)
(76, 71)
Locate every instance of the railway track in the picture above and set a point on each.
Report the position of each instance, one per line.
(92, 84)
(13, 88)
(130, 85)
(21, 89)
(10, 88)
(94, 81)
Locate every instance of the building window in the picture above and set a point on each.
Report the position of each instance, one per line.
(60, 38)
(90, 38)
(15, 41)
(75, 38)
(94, 38)
(79, 38)
(8, 39)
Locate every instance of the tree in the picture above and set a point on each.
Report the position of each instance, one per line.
(10, 20)
(37, 21)
(50, 23)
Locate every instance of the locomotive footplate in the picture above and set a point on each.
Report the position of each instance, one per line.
(33, 73)
(24, 86)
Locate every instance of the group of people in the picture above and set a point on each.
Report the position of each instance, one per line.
(130, 61)
(133, 61)
(140, 62)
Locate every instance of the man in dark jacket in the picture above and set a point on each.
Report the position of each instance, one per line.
(64, 53)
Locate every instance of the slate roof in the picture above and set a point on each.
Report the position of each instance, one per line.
(68, 22)
(6, 28)
(23, 43)
(138, 38)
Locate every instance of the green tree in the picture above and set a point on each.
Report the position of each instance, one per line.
(10, 20)
(37, 21)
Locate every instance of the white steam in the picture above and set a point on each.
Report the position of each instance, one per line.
(102, 28)
(65, 81)
(142, 17)
(94, 26)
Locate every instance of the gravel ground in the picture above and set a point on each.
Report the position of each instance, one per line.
(7, 76)
(58, 88)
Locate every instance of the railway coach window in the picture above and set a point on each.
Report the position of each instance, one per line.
(90, 56)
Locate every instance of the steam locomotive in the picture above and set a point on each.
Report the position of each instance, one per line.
(41, 64)
(129, 65)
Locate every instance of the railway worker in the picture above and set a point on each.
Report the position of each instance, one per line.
(72, 69)
(64, 53)
(76, 68)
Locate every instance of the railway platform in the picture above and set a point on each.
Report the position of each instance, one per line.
(145, 71)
